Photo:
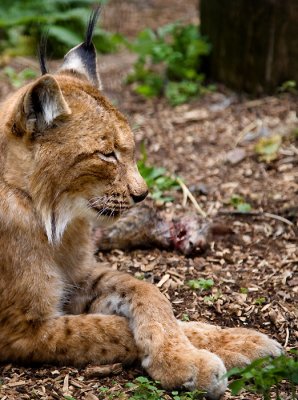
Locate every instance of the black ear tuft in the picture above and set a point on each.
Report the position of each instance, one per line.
(91, 25)
(42, 52)
(82, 58)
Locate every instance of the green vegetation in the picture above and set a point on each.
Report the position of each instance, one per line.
(169, 62)
(17, 79)
(202, 284)
(212, 298)
(157, 179)
(288, 86)
(239, 203)
(264, 375)
(22, 24)
(145, 389)
(185, 317)
(267, 148)
(260, 300)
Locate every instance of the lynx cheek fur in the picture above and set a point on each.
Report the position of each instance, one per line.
(67, 155)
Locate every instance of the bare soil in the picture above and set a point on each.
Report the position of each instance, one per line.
(255, 267)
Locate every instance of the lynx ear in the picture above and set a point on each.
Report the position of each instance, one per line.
(42, 104)
(82, 58)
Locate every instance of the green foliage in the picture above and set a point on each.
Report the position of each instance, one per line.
(260, 300)
(202, 284)
(110, 394)
(17, 79)
(22, 23)
(195, 395)
(288, 86)
(168, 62)
(212, 298)
(145, 389)
(263, 376)
(157, 179)
(267, 148)
(239, 203)
(185, 317)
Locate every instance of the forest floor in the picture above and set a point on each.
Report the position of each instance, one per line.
(210, 144)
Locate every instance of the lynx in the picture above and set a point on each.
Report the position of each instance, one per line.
(68, 156)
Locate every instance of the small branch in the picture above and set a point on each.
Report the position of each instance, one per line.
(188, 195)
(102, 371)
(245, 130)
(287, 337)
(256, 214)
(279, 218)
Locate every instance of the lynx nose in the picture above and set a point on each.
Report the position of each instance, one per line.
(137, 198)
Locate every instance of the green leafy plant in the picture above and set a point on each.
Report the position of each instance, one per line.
(202, 284)
(110, 394)
(169, 62)
(264, 375)
(17, 79)
(22, 23)
(288, 86)
(185, 317)
(195, 395)
(267, 148)
(145, 389)
(239, 203)
(212, 298)
(260, 300)
(157, 179)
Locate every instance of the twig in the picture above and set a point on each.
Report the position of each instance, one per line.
(256, 214)
(102, 371)
(245, 130)
(279, 218)
(258, 102)
(188, 194)
(287, 338)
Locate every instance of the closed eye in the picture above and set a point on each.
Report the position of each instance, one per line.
(109, 157)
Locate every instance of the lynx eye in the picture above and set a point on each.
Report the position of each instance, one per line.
(109, 157)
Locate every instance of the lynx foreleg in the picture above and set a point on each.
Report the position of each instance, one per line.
(164, 349)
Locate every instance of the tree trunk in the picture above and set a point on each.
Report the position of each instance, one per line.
(254, 42)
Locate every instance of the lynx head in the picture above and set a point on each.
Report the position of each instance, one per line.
(68, 148)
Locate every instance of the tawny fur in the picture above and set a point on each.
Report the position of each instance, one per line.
(67, 157)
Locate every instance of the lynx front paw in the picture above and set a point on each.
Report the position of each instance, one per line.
(237, 347)
(240, 346)
(189, 368)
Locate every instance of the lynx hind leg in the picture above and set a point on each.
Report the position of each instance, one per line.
(74, 340)
(237, 347)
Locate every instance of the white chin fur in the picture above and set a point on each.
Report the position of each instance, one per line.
(56, 221)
